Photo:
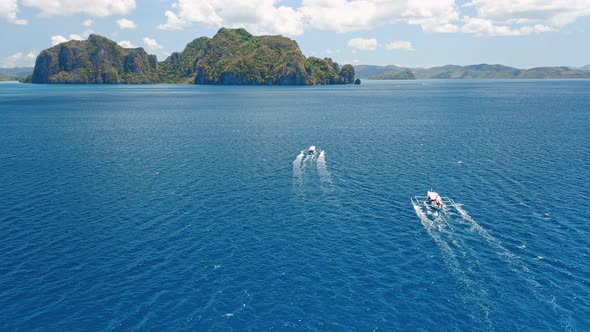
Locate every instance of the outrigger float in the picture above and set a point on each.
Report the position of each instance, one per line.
(433, 199)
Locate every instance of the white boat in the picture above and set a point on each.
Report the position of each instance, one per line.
(435, 199)
(311, 151)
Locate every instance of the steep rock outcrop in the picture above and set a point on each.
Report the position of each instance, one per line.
(96, 60)
(325, 71)
(182, 67)
(232, 57)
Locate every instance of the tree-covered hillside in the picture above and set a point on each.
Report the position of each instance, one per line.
(232, 56)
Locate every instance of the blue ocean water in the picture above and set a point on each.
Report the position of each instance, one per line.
(134, 208)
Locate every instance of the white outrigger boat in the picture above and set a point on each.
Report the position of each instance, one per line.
(311, 150)
(433, 199)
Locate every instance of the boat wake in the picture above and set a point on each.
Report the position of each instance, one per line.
(325, 176)
(448, 225)
(310, 168)
(297, 171)
(473, 293)
(517, 266)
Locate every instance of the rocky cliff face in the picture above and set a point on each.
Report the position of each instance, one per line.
(325, 71)
(237, 57)
(96, 60)
(182, 67)
(232, 56)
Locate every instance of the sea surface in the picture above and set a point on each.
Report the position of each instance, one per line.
(193, 208)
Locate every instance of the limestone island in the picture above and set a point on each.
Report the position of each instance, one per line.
(232, 56)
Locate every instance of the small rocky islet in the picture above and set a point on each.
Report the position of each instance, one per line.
(232, 57)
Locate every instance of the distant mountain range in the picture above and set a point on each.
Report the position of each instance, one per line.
(467, 72)
(15, 74)
(19, 71)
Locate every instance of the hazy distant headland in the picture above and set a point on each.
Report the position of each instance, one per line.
(466, 72)
(15, 74)
(232, 56)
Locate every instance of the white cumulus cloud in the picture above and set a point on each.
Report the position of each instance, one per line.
(480, 17)
(351, 15)
(19, 59)
(76, 36)
(480, 27)
(10, 61)
(522, 17)
(152, 43)
(126, 24)
(262, 16)
(99, 8)
(363, 44)
(257, 16)
(58, 39)
(400, 45)
(126, 44)
(9, 10)
(88, 23)
(31, 56)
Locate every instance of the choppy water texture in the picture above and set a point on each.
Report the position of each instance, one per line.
(136, 208)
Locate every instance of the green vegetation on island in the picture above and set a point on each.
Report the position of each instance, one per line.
(325, 71)
(367, 71)
(396, 75)
(96, 60)
(232, 56)
(481, 71)
(473, 71)
(181, 67)
(554, 72)
(237, 57)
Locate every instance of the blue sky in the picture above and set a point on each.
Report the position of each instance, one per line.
(520, 33)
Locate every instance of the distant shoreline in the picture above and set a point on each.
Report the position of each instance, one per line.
(392, 72)
(480, 79)
(479, 71)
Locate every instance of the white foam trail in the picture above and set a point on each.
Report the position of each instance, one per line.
(516, 265)
(325, 176)
(307, 158)
(298, 172)
(474, 294)
(445, 227)
(322, 158)
(492, 241)
(297, 165)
